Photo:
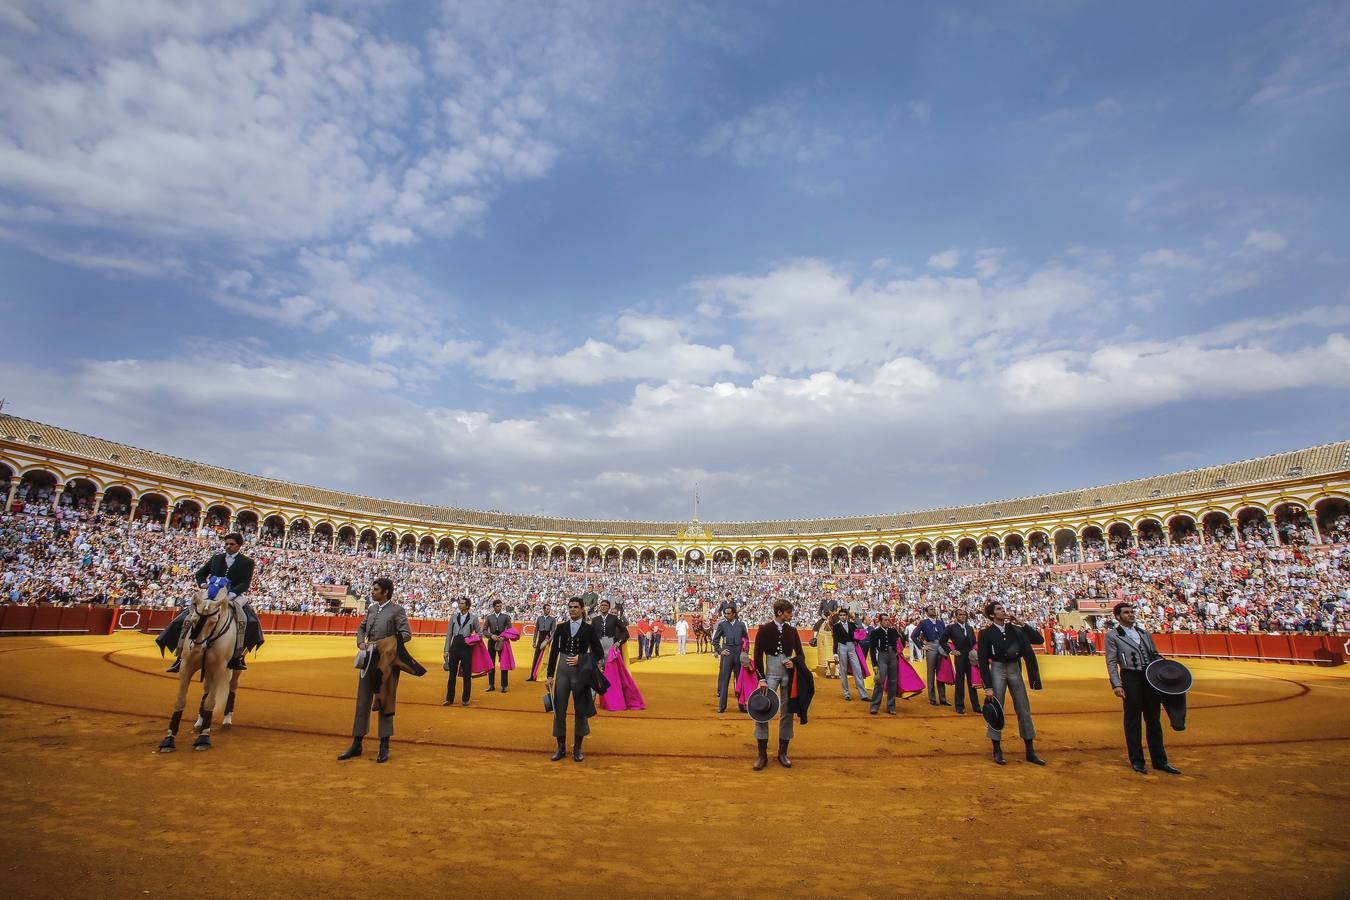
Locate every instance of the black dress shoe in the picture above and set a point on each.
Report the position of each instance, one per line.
(464, 703)
(447, 703)
(353, 751)
(741, 707)
(559, 753)
(177, 664)
(960, 710)
(383, 755)
(504, 689)
(1168, 768)
(932, 703)
(237, 665)
(943, 703)
(577, 755)
(491, 689)
(1140, 769)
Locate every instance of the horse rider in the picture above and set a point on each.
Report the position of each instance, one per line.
(238, 569)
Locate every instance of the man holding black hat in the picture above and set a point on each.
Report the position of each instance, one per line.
(1002, 649)
(777, 644)
(727, 642)
(1129, 650)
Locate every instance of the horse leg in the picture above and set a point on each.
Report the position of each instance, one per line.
(184, 678)
(217, 683)
(228, 719)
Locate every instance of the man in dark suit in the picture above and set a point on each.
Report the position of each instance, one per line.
(777, 648)
(543, 630)
(576, 643)
(727, 640)
(384, 618)
(606, 625)
(494, 624)
(959, 639)
(238, 568)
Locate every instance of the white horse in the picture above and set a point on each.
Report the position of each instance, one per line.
(208, 645)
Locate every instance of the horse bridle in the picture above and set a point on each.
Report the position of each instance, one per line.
(219, 630)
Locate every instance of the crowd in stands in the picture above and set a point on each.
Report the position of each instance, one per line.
(1239, 582)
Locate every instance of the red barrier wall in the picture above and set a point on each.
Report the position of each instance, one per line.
(1305, 648)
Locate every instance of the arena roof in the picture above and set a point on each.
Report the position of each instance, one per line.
(1325, 459)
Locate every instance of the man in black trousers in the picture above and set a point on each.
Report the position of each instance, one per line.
(959, 639)
(457, 654)
(1129, 650)
(577, 647)
(495, 623)
(543, 630)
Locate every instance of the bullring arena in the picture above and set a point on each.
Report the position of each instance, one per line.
(666, 801)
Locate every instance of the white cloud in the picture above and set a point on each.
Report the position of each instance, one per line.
(1170, 259)
(777, 129)
(1272, 241)
(946, 260)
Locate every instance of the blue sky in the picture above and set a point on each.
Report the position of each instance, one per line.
(572, 257)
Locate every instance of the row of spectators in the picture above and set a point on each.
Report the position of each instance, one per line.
(72, 557)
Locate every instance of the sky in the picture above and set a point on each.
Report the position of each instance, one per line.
(574, 258)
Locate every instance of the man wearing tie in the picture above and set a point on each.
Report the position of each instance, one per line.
(928, 637)
(457, 654)
(384, 618)
(577, 647)
(727, 642)
(543, 630)
(1129, 650)
(496, 622)
(959, 640)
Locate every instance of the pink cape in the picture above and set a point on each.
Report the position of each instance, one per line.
(746, 682)
(862, 659)
(910, 682)
(481, 662)
(623, 691)
(946, 673)
(507, 663)
(543, 655)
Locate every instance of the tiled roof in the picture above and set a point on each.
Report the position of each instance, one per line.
(1313, 461)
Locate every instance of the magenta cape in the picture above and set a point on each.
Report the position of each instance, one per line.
(543, 655)
(507, 663)
(746, 682)
(623, 691)
(862, 659)
(946, 673)
(481, 662)
(910, 681)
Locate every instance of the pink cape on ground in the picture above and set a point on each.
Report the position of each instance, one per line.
(623, 691)
(910, 682)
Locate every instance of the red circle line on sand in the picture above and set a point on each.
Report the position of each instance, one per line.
(450, 745)
(1303, 689)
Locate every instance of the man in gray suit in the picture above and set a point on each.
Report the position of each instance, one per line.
(928, 636)
(384, 618)
(495, 623)
(1129, 650)
(727, 641)
(457, 654)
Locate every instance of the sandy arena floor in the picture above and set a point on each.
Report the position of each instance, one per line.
(666, 802)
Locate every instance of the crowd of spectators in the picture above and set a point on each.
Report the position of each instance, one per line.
(1238, 582)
